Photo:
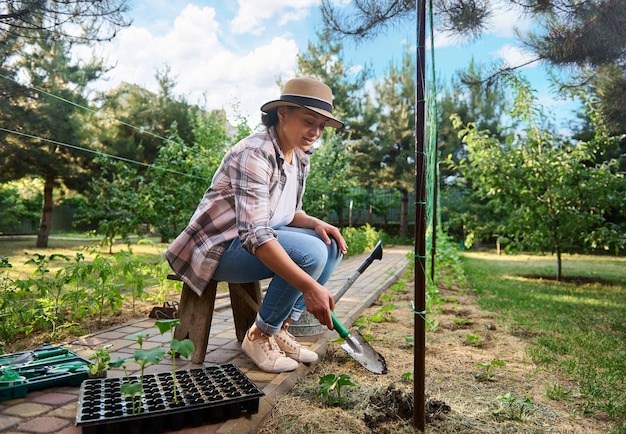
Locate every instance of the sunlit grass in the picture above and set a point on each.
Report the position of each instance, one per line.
(19, 250)
(577, 326)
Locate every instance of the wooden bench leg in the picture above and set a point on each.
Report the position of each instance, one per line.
(245, 300)
(195, 314)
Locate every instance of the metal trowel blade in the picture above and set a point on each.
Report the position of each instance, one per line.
(361, 351)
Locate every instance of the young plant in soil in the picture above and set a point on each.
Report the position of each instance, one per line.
(333, 382)
(487, 374)
(512, 407)
(143, 358)
(183, 348)
(101, 360)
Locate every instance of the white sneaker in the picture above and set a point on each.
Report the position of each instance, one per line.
(266, 354)
(287, 343)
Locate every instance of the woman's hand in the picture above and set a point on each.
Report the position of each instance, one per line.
(326, 231)
(319, 302)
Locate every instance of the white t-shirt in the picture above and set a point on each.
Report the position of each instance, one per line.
(287, 202)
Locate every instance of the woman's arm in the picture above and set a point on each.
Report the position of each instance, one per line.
(319, 300)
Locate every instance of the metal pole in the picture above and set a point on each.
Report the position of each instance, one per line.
(420, 227)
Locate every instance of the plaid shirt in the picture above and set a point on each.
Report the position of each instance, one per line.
(240, 202)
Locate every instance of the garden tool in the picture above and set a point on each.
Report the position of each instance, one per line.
(359, 349)
(377, 253)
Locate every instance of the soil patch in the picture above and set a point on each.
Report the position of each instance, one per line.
(478, 379)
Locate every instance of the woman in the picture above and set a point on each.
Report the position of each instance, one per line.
(250, 226)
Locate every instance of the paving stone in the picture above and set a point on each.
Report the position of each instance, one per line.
(220, 357)
(8, 421)
(27, 409)
(53, 398)
(66, 412)
(44, 424)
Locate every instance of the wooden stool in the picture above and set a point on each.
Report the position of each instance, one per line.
(196, 313)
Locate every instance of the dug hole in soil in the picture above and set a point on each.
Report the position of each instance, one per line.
(461, 395)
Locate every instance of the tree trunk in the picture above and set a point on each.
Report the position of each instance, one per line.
(404, 213)
(46, 212)
(559, 270)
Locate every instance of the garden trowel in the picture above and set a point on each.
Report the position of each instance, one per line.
(359, 349)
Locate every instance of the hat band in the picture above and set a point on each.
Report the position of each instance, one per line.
(305, 101)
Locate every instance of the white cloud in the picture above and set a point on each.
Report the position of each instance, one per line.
(515, 56)
(254, 15)
(205, 70)
(505, 20)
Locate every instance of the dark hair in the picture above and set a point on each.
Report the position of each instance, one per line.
(270, 119)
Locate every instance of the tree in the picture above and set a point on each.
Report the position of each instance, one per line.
(486, 107)
(472, 102)
(388, 159)
(182, 172)
(143, 119)
(553, 194)
(47, 132)
(115, 200)
(328, 180)
(587, 35)
(72, 20)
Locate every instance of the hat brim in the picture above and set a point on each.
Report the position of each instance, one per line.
(332, 121)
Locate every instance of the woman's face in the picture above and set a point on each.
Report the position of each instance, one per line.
(299, 128)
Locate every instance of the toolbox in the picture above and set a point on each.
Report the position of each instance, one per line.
(40, 368)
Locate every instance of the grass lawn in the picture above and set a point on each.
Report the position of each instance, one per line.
(20, 249)
(576, 326)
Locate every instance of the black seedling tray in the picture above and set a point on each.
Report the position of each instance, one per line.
(43, 367)
(210, 394)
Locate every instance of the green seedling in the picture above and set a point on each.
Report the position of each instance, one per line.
(487, 374)
(101, 359)
(474, 340)
(460, 322)
(184, 348)
(407, 377)
(399, 286)
(143, 358)
(333, 383)
(556, 392)
(513, 408)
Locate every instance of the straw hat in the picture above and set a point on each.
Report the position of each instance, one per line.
(310, 93)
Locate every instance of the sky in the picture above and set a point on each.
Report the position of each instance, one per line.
(229, 54)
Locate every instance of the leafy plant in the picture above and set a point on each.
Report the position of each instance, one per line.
(330, 387)
(184, 348)
(487, 374)
(556, 392)
(105, 293)
(102, 361)
(513, 408)
(134, 389)
(474, 340)
(407, 377)
(460, 322)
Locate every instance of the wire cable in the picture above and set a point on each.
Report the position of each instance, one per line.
(103, 154)
(97, 112)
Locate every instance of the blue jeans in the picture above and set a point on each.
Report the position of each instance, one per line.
(281, 300)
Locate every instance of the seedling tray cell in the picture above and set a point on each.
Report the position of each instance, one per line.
(43, 367)
(210, 394)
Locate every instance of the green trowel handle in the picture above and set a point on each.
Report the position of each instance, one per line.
(343, 332)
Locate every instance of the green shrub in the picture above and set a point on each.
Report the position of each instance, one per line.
(361, 239)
